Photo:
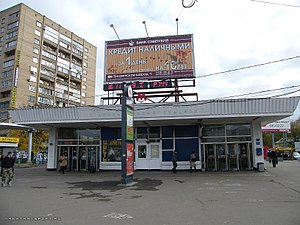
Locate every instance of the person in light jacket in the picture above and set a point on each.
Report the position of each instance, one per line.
(62, 164)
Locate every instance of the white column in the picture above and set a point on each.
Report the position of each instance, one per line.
(29, 145)
(257, 143)
(52, 150)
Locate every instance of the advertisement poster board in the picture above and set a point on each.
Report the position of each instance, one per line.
(283, 125)
(130, 159)
(149, 58)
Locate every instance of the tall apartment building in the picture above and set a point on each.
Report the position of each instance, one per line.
(42, 63)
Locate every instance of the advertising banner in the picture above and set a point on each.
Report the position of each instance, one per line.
(130, 159)
(149, 58)
(283, 125)
(130, 129)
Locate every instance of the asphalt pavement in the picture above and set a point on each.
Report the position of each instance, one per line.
(154, 198)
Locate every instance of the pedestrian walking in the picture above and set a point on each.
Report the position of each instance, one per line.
(273, 157)
(193, 161)
(7, 166)
(174, 161)
(62, 164)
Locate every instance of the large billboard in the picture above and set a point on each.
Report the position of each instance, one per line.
(152, 58)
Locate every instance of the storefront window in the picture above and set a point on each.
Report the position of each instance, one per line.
(89, 136)
(214, 131)
(67, 133)
(142, 132)
(238, 129)
(186, 131)
(167, 132)
(154, 132)
(111, 150)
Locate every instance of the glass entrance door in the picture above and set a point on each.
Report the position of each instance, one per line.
(148, 156)
(233, 163)
(87, 157)
(221, 157)
(211, 159)
(71, 153)
(245, 162)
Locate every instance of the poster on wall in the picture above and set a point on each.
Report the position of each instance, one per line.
(129, 159)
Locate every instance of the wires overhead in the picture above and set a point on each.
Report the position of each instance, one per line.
(274, 3)
(269, 93)
(192, 3)
(248, 67)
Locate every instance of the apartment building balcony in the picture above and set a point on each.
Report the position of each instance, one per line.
(45, 85)
(62, 74)
(46, 77)
(48, 42)
(65, 49)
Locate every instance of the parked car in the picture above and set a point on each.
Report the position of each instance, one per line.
(296, 155)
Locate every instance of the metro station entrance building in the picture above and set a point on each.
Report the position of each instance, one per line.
(225, 134)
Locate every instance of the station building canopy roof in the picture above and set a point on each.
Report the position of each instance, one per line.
(9, 126)
(265, 110)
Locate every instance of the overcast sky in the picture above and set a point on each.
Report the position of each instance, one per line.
(228, 34)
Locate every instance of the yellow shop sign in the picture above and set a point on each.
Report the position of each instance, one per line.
(9, 139)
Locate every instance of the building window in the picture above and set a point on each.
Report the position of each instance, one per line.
(11, 34)
(11, 44)
(45, 101)
(3, 21)
(13, 16)
(85, 64)
(36, 41)
(32, 88)
(12, 25)
(49, 55)
(84, 72)
(2, 30)
(38, 33)
(85, 57)
(33, 69)
(35, 60)
(8, 73)
(1, 39)
(47, 72)
(36, 51)
(31, 98)
(84, 79)
(45, 91)
(32, 79)
(83, 102)
(6, 83)
(51, 34)
(4, 105)
(83, 87)
(83, 94)
(49, 64)
(38, 24)
(8, 63)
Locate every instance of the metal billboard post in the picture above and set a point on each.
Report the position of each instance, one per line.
(127, 136)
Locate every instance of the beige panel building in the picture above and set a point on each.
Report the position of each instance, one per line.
(42, 63)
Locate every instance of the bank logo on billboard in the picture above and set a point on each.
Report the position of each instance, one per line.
(153, 58)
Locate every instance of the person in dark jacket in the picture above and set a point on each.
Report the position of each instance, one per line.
(273, 157)
(7, 166)
(174, 160)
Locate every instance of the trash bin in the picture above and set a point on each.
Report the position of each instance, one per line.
(260, 167)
